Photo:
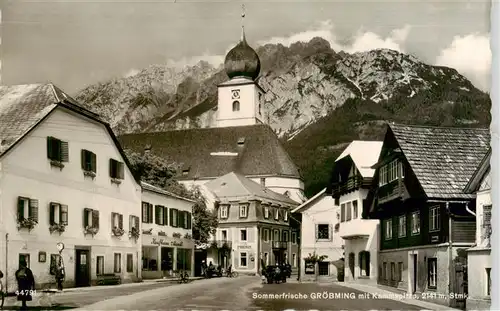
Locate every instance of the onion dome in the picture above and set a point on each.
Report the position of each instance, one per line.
(242, 61)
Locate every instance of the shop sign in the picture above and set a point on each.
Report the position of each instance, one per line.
(244, 247)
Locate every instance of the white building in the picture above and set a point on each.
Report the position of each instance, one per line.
(351, 182)
(63, 178)
(167, 234)
(320, 236)
(479, 261)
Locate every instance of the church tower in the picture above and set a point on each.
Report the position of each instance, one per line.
(241, 98)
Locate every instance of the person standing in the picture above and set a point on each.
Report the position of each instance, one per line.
(60, 275)
(25, 284)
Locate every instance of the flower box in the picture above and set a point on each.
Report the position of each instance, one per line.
(134, 233)
(118, 231)
(89, 174)
(27, 223)
(188, 236)
(176, 235)
(162, 233)
(57, 228)
(90, 230)
(148, 231)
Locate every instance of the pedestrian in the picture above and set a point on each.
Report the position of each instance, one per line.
(25, 284)
(60, 275)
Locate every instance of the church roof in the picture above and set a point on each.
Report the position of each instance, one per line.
(252, 150)
(234, 186)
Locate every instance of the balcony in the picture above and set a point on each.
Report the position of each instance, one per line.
(222, 244)
(280, 245)
(394, 190)
(358, 229)
(351, 184)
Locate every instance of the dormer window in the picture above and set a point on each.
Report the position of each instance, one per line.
(285, 216)
(241, 141)
(223, 211)
(277, 214)
(243, 210)
(266, 212)
(236, 105)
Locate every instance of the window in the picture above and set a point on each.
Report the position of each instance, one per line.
(348, 211)
(415, 223)
(130, 263)
(388, 229)
(400, 271)
(159, 215)
(384, 271)
(276, 235)
(342, 212)
(294, 238)
(486, 222)
(174, 215)
(133, 222)
(243, 259)
(57, 150)
(58, 214)
(116, 169)
(323, 268)
(25, 258)
(285, 215)
(432, 272)
(434, 218)
(187, 220)
(277, 214)
(266, 212)
(392, 171)
(236, 105)
(294, 260)
(243, 234)
(223, 211)
(89, 161)
(265, 233)
(322, 232)
(116, 220)
(266, 258)
(99, 265)
(393, 271)
(90, 218)
(285, 236)
(27, 209)
(243, 210)
(354, 209)
(117, 266)
(488, 281)
(382, 176)
(147, 213)
(402, 226)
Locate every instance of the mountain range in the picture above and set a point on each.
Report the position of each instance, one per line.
(317, 100)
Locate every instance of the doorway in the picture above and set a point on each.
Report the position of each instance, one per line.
(82, 267)
(351, 265)
(415, 273)
(167, 260)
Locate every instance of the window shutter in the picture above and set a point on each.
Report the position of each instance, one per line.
(150, 213)
(113, 215)
(144, 212)
(95, 219)
(33, 210)
(486, 215)
(165, 216)
(317, 232)
(112, 169)
(83, 159)
(85, 217)
(136, 220)
(63, 215)
(121, 170)
(157, 214)
(50, 151)
(180, 219)
(171, 217)
(120, 221)
(20, 208)
(189, 222)
(64, 151)
(93, 162)
(330, 232)
(52, 211)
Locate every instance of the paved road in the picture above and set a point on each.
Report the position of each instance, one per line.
(83, 297)
(247, 293)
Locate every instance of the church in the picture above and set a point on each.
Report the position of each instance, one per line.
(242, 169)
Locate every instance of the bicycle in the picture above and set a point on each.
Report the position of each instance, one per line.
(183, 277)
(230, 273)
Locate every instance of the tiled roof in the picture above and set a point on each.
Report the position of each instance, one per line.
(234, 185)
(22, 107)
(214, 152)
(442, 158)
(151, 188)
(364, 154)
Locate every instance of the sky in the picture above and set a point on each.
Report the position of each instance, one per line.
(74, 44)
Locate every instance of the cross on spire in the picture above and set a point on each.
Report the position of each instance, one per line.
(243, 23)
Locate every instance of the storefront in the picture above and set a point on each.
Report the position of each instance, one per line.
(162, 256)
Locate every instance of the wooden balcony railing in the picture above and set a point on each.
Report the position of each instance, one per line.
(351, 184)
(393, 190)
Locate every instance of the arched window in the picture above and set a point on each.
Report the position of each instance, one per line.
(236, 105)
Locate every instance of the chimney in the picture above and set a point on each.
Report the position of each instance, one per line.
(263, 182)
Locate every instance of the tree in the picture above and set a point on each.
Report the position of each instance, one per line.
(156, 171)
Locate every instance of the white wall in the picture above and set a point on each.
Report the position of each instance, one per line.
(249, 105)
(321, 211)
(26, 171)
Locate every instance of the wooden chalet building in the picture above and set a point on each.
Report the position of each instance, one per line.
(425, 216)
